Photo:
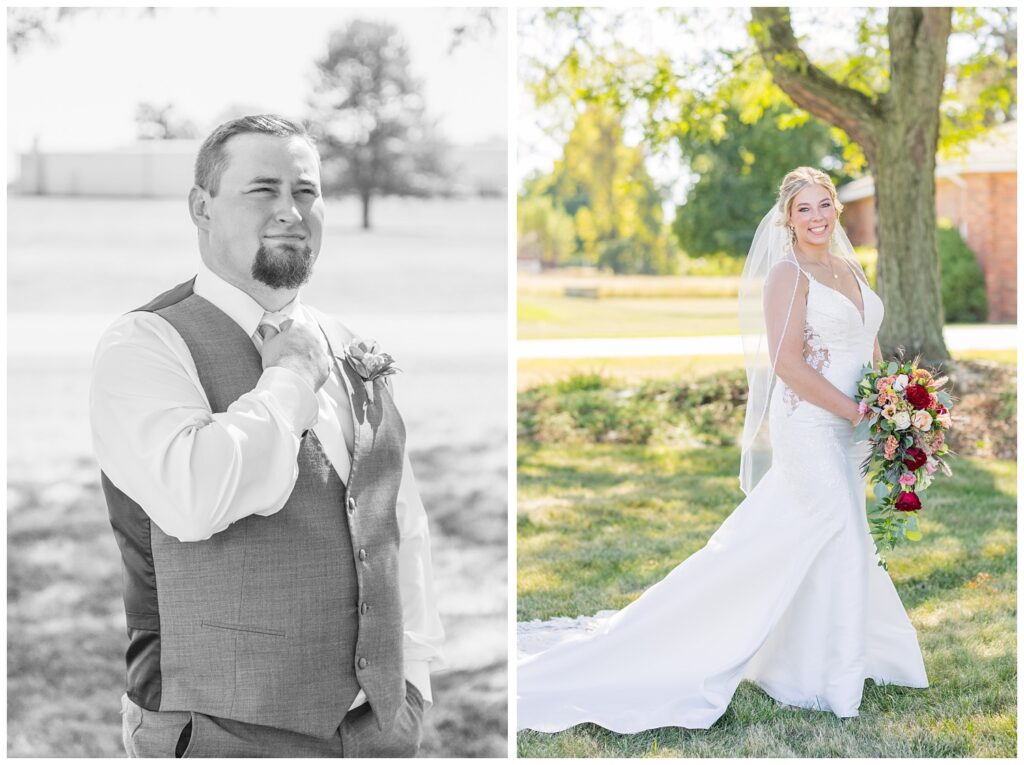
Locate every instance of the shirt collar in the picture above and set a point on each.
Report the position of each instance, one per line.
(238, 305)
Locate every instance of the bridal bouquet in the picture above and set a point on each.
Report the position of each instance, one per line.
(906, 418)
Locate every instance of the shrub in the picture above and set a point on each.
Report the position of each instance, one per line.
(718, 264)
(963, 283)
(592, 408)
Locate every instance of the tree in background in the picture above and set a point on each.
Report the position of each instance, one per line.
(544, 232)
(615, 204)
(894, 117)
(160, 123)
(369, 117)
(741, 170)
(882, 91)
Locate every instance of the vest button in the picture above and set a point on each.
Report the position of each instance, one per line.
(362, 663)
(351, 505)
(362, 554)
(363, 608)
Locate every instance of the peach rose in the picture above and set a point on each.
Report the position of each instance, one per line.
(921, 420)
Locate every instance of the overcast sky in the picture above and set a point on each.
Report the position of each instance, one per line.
(82, 90)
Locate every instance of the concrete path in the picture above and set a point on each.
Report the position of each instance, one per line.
(958, 338)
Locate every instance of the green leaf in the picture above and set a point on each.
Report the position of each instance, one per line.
(911, 530)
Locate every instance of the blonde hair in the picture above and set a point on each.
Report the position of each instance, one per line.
(799, 179)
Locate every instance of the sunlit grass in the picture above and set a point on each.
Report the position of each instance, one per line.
(556, 316)
(597, 524)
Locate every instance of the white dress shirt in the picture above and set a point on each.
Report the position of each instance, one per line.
(195, 472)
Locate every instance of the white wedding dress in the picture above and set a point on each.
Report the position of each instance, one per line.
(786, 594)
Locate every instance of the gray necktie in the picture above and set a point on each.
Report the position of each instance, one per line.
(269, 326)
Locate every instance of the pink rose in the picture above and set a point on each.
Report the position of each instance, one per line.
(862, 407)
(908, 479)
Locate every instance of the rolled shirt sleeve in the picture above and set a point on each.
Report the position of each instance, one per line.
(155, 437)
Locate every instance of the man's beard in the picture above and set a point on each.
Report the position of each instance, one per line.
(287, 266)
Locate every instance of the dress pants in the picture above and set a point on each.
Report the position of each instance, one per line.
(193, 734)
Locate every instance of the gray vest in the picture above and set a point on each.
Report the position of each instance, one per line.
(276, 620)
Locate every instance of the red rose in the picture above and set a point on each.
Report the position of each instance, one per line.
(918, 396)
(914, 458)
(907, 501)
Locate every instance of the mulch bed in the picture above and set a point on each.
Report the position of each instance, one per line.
(984, 409)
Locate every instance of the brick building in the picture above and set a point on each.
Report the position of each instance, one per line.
(978, 193)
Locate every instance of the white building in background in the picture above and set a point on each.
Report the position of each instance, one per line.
(164, 168)
(142, 169)
(481, 168)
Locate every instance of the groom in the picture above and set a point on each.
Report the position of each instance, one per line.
(277, 577)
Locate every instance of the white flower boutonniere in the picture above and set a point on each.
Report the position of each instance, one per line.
(369, 362)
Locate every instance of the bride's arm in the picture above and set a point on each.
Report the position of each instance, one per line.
(785, 310)
(876, 356)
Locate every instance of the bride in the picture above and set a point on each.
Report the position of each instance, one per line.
(787, 593)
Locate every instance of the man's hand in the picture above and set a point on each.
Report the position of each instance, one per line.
(296, 348)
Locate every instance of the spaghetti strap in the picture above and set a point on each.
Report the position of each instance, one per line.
(793, 263)
(858, 275)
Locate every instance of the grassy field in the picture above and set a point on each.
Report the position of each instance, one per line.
(549, 317)
(554, 283)
(598, 523)
(625, 306)
(75, 263)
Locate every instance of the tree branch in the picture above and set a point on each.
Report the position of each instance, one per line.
(810, 87)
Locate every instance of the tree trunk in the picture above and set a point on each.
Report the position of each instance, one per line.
(903, 167)
(898, 131)
(364, 197)
(908, 264)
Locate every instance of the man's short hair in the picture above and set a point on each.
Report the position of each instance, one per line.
(212, 158)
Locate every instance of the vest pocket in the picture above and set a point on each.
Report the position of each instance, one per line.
(185, 739)
(244, 628)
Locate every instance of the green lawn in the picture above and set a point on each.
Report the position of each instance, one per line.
(546, 316)
(555, 316)
(598, 523)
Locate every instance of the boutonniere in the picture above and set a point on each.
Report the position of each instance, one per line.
(368, 361)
